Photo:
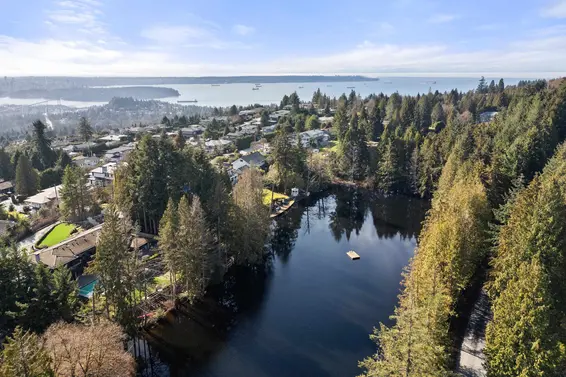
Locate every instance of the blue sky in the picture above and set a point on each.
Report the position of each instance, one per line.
(521, 38)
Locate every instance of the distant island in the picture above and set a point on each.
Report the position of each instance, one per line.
(86, 94)
(12, 86)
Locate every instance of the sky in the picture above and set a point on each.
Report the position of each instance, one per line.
(510, 38)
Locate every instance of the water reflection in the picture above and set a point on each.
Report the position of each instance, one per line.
(307, 311)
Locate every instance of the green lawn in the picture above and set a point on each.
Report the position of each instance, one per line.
(332, 146)
(267, 196)
(60, 233)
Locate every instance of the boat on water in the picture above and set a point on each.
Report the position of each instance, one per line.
(350, 87)
(187, 101)
(255, 88)
(388, 82)
(258, 85)
(215, 85)
(282, 209)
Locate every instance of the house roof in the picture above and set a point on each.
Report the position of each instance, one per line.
(255, 158)
(68, 250)
(6, 185)
(240, 164)
(45, 196)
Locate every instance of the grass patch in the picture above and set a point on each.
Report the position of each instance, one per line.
(58, 234)
(267, 196)
(331, 147)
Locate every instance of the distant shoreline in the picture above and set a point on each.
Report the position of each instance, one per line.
(97, 94)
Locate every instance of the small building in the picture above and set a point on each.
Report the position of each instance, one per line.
(80, 147)
(192, 130)
(114, 138)
(103, 175)
(45, 198)
(325, 121)
(6, 187)
(251, 113)
(86, 161)
(487, 116)
(316, 138)
(255, 159)
(213, 146)
(274, 116)
(269, 129)
(74, 253)
(118, 154)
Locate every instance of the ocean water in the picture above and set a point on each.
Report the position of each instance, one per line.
(243, 94)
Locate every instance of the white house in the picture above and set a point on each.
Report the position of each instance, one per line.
(274, 116)
(317, 138)
(86, 161)
(221, 145)
(114, 138)
(103, 175)
(44, 198)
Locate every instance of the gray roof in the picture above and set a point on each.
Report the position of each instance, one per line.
(256, 159)
(6, 185)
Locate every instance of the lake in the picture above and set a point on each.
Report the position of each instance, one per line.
(309, 311)
(242, 94)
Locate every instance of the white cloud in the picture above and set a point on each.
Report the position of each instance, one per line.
(243, 30)
(385, 28)
(555, 10)
(70, 16)
(163, 36)
(442, 18)
(542, 57)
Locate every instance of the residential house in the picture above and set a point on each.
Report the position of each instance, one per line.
(255, 159)
(45, 198)
(269, 129)
(316, 138)
(118, 154)
(103, 175)
(6, 187)
(86, 161)
(192, 130)
(250, 113)
(274, 116)
(325, 121)
(74, 253)
(487, 116)
(80, 147)
(114, 138)
(214, 146)
(256, 146)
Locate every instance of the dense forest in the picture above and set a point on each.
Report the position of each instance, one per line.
(497, 196)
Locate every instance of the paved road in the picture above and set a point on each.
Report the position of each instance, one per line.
(471, 354)
(28, 242)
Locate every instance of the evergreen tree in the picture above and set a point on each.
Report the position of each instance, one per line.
(25, 355)
(65, 293)
(112, 264)
(75, 197)
(6, 168)
(312, 123)
(85, 129)
(169, 242)
(482, 86)
(195, 247)
(438, 114)
(180, 140)
(492, 88)
(501, 86)
(46, 157)
(27, 179)
(249, 219)
(340, 123)
(353, 151)
(264, 119)
(64, 160)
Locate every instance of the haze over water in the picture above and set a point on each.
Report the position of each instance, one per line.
(243, 94)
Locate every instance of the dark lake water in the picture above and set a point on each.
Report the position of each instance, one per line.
(309, 311)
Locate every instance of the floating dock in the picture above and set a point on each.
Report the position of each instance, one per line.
(353, 255)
